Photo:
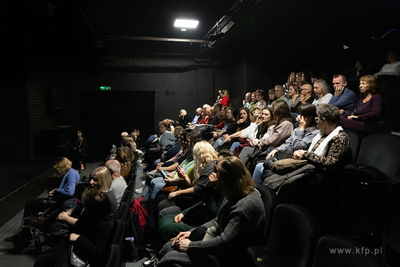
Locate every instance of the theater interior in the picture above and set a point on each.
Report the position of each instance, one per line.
(112, 66)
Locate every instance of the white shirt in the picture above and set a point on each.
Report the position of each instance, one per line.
(118, 186)
(323, 100)
(390, 69)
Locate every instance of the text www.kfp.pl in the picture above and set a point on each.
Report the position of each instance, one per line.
(356, 250)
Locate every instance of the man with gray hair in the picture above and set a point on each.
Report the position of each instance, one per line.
(118, 184)
(321, 90)
(280, 93)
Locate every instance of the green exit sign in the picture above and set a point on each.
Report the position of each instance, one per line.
(105, 88)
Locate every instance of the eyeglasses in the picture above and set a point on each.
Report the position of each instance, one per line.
(94, 179)
(317, 119)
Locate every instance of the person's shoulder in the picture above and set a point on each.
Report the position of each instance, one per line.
(376, 97)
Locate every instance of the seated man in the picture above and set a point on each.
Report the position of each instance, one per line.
(344, 98)
(321, 90)
(118, 184)
(280, 93)
(197, 118)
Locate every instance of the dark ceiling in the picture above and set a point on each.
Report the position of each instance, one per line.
(262, 28)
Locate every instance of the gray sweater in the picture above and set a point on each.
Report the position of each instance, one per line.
(240, 224)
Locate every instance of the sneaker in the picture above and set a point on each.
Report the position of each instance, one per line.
(139, 190)
(144, 182)
(150, 263)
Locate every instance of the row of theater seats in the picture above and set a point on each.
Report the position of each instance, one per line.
(292, 237)
(362, 198)
(116, 255)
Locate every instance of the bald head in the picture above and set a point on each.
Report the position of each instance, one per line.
(114, 167)
(306, 89)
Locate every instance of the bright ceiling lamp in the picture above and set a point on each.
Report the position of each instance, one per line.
(186, 23)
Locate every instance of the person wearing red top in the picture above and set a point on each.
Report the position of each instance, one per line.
(207, 116)
(225, 101)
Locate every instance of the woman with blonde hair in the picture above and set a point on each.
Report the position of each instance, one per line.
(65, 191)
(237, 226)
(225, 101)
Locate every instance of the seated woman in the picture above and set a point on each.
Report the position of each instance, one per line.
(243, 122)
(125, 158)
(293, 94)
(244, 136)
(153, 186)
(225, 100)
(271, 97)
(300, 138)
(64, 192)
(228, 124)
(207, 116)
(164, 140)
(184, 118)
(174, 220)
(203, 154)
(238, 225)
(391, 68)
(368, 106)
(283, 128)
(328, 147)
(90, 235)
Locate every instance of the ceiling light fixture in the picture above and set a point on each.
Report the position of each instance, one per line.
(186, 23)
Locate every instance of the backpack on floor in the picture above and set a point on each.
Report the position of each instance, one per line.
(138, 208)
(134, 244)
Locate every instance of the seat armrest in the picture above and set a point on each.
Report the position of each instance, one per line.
(257, 256)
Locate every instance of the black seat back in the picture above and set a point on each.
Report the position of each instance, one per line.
(381, 151)
(270, 200)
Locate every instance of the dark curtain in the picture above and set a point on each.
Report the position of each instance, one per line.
(104, 115)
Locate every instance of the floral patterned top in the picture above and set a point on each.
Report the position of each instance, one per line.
(337, 147)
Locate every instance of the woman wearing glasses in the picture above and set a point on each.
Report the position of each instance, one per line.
(330, 145)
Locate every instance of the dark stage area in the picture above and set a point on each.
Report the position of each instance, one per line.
(20, 181)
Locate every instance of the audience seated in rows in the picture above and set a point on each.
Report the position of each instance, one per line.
(58, 196)
(90, 236)
(238, 225)
(282, 129)
(300, 138)
(242, 122)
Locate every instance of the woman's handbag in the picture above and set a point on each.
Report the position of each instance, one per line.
(285, 166)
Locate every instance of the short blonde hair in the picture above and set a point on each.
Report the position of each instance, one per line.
(203, 154)
(62, 165)
(103, 176)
